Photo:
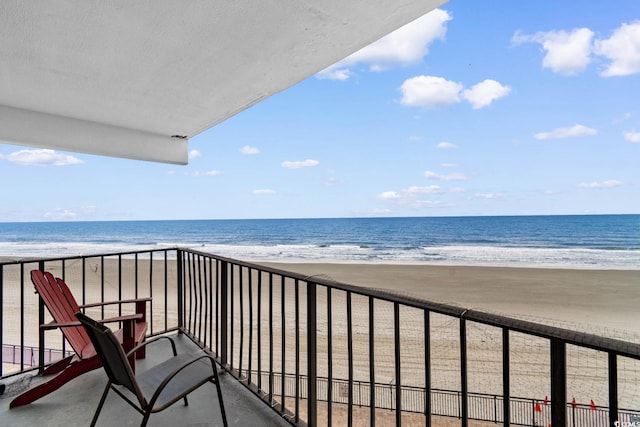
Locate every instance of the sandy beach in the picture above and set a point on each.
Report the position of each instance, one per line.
(597, 299)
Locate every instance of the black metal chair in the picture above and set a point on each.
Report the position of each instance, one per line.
(158, 387)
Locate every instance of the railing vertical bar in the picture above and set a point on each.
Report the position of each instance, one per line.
(189, 285)
(250, 296)
(349, 361)
(195, 295)
(120, 284)
(283, 346)
(427, 368)
(223, 312)
(271, 338)
(2, 315)
(558, 383)
(102, 284)
(506, 379)
(329, 358)
(201, 299)
(312, 356)
(166, 289)
(464, 401)
(84, 280)
(241, 297)
(41, 335)
(297, 326)
(398, 380)
(372, 364)
(259, 324)
(613, 388)
(22, 318)
(135, 275)
(151, 322)
(218, 298)
(208, 288)
(180, 288)
(232, 304)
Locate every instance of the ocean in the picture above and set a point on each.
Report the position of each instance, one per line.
(571, 241)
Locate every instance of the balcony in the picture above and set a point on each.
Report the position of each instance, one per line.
(299, 350)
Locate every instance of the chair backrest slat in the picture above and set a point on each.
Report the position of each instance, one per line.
(62, 305)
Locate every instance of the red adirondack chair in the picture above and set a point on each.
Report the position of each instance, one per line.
(62, 305)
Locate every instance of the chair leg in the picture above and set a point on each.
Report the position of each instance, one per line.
(72, 371)
(145, 420)
(58, 366)
(222, 411)
(102, 400)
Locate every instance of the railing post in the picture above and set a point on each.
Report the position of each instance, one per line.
(398, 361)
(41, 342)
(312, 402)
(558, 383)
(180, 288)
(224, 285)
(464, 415)
(506, 380)
(613, 388)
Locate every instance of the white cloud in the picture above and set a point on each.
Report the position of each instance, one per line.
(567, 53)
(414, 196)
(60, 214)
(603, 184)
(407, 45)
(331, 73)
(489, 196)
(206, 173)
(389, 195)
(430, 189)
(447, 177)
(623, 49)
(194, 154)
(444, 145)
(484, 93)
(430, 92)
(298, 164)
(449, 165)
(41, 157)
(415, 138)
(247, 149)
(577, 130)
(262, 191)
(632, 136)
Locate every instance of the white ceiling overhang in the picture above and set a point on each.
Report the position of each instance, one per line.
(136, 79)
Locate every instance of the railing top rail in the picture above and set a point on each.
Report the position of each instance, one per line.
(26, 260)
(583, 339)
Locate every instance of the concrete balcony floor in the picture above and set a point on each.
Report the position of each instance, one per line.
(75, 403)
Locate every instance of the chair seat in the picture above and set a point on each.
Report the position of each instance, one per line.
(187, 380)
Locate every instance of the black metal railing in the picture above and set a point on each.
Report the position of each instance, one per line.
(446, 403)
(266, 319)
(334, 340)
(94, 278)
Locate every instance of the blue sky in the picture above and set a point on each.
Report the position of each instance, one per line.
(479, 108)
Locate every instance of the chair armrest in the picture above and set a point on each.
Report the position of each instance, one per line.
(154, 339)
(175, 372)
(124, 301)
(54, 325)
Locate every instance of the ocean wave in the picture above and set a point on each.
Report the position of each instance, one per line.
(479, 255)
